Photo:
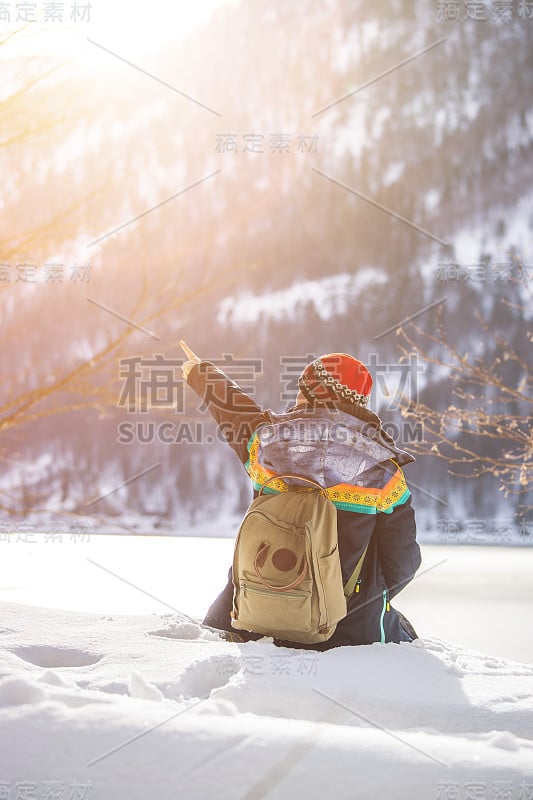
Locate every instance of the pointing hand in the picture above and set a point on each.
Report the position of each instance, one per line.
(192, 359)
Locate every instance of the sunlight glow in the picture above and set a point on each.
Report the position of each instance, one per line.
(129, 30)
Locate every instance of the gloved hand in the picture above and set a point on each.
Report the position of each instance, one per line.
(192, 359)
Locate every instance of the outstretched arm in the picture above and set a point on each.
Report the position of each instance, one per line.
(236, 414)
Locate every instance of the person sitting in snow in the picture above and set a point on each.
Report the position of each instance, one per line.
(375, 517)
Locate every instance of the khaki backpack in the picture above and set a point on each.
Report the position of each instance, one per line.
(287, 575)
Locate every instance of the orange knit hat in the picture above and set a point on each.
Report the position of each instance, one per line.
(336, 376)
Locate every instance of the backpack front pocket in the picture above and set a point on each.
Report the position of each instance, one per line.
(271, 612)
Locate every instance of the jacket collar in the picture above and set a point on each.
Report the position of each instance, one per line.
(365, 421)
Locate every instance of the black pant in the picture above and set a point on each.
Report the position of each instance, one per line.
(219, 616)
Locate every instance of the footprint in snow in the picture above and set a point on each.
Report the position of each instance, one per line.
(202, 677)
(42, 655)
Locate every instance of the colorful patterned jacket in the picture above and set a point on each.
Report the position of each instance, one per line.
(345, 449)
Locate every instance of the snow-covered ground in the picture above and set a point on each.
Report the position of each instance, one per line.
(474, 596)
(120, 696)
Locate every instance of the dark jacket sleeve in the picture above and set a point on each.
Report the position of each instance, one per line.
(236, 414)
(398, 551)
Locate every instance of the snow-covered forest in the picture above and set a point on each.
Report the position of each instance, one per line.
(268, 182)
(240, 202)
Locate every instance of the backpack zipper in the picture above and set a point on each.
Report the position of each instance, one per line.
(260, 590)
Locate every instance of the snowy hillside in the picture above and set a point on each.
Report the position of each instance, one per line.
(372, 167)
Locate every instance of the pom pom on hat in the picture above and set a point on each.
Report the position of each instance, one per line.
(336, 376)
